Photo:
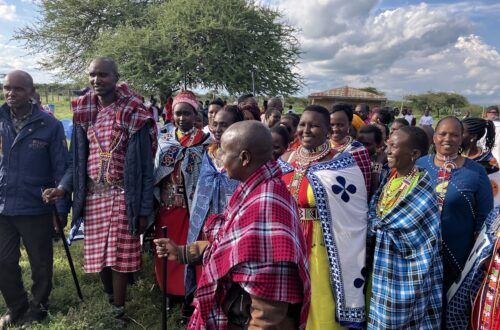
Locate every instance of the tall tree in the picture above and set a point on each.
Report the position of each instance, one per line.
(217, 44)
(68, 29)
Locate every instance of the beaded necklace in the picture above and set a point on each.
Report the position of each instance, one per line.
(192, 135)
(391, 196)
(444, 176)
(304, 158)
(341, 147)
(215, 155)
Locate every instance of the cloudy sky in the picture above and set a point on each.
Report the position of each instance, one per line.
(400, 47)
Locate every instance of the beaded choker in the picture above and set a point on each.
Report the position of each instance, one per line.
(341, 147)
(446, 158)
(449, 162)
(390, 197)
(187, 132)
(304, 158)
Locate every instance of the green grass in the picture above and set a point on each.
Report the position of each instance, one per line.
(62, 104)
(66, 311)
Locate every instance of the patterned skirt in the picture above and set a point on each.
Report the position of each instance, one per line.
(107, 242)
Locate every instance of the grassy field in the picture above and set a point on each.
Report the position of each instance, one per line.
(68, 312)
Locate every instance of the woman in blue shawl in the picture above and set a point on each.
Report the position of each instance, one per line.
(214, 187)
(464, 196)
(404, 223)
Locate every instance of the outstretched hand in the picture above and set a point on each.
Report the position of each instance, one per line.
(165, 247)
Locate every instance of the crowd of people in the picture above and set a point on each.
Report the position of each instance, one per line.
(340, 218)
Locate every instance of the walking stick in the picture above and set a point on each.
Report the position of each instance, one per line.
(164, 285)
(68, 254)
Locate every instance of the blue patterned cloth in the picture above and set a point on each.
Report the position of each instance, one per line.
(341, 200)
(408, 269)
(461, 295)
(211, 197)
(285, 167)
(169, 153)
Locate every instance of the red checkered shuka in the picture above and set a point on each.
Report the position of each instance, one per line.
(107, 242)
(130, 115)
(362, 158)
(258, 243)
(105, 137)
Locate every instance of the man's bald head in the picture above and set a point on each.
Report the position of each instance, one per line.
(18, 88)
(247, 145)
(21, 76)
(107, 62)
(253, 136)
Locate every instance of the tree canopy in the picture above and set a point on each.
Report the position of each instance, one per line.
(437, 101)
(66, 30)
(161, 45)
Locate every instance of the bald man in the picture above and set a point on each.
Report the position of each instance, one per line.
(111, 178)
(256, 273)
(33, 156)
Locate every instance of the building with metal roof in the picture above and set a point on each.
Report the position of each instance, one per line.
(348, 95)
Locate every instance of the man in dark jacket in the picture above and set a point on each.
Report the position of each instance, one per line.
(111, 176)
(33, 156)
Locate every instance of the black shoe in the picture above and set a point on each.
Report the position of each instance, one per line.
(121, 318)
(118, 312)
(34, 314)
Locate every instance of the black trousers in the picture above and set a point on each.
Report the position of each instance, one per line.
(36, 233)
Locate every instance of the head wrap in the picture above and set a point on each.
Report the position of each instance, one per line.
(186, 97)
(357, 122)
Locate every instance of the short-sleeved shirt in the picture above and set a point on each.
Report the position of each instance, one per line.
(426, 121)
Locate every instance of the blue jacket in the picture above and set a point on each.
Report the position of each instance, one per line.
(138, 176)
(30, 161)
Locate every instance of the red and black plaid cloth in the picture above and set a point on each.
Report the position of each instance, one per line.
(258, 243)
(131, 114)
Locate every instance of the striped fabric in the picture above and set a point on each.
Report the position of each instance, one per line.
(407, 270)
(105, 137)
(107, 242)
(259, 244)
(130, 117)
(362, 158)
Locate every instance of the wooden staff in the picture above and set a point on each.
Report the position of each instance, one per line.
(68, 254)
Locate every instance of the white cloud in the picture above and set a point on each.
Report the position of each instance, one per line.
(14, 57)
(469, 67)
(409, 49)
(403, 50)
(7, 12)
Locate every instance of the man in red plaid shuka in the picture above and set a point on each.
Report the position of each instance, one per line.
(111, 174)
(254, 262)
